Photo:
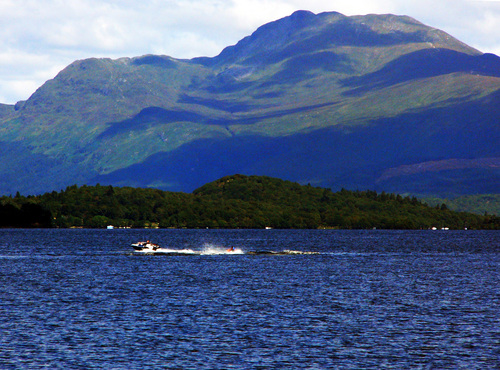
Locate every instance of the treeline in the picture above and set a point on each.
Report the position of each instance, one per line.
(479, 204)
(21, 213)
(232, 202)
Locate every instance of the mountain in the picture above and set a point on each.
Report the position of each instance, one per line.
(378, 102)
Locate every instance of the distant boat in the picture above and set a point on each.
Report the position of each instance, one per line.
(110, 227)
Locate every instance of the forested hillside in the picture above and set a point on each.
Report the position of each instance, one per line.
(232, 202)
(480, 204)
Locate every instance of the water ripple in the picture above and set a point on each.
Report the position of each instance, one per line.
(74, 300)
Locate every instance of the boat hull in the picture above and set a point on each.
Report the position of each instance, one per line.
(145, 247)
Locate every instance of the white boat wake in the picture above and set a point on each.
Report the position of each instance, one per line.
(208, 250)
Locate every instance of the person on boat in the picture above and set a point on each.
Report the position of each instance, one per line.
(230, 249)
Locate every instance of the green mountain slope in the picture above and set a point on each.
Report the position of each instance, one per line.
(326, 99)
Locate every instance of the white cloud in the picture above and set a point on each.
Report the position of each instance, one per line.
(40, 37)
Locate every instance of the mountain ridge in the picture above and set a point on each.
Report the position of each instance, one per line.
(382, 78)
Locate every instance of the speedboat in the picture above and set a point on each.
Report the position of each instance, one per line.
(145, 246)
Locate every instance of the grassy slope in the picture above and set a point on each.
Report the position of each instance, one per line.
(6, 110)
(283, 80)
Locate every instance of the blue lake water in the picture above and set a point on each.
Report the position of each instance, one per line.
(82, 299)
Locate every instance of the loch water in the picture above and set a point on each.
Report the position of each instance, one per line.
(82, 299)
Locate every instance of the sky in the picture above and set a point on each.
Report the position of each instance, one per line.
(39, 38)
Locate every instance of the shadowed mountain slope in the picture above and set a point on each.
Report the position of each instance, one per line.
(324, 98)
